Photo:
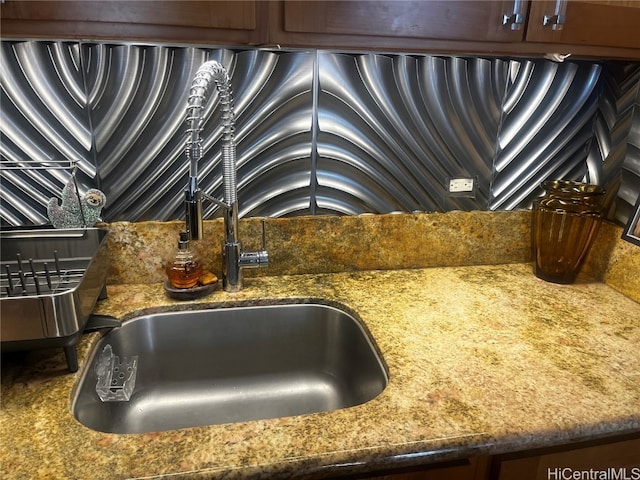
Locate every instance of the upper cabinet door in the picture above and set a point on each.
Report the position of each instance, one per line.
(609, 23)
(193, 21)
(497, 21)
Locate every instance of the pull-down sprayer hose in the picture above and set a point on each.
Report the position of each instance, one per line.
(208, 73)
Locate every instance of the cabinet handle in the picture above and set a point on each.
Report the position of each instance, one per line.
(515, 19)
(557, 20)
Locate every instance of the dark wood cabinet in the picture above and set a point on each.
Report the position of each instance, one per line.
(598, 28)
(621, 457)
(475, 468)
(437, 26)
(459, 20)
(240, 22)
(584, 28)
(608, 23)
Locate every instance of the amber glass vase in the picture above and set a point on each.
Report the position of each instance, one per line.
(564, 223)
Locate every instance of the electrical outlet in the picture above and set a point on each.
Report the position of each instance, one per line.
(461, 185)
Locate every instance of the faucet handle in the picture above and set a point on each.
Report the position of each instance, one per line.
(264, 234)
(215, 201)
(256, 259)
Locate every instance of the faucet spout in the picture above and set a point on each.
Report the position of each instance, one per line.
(234, 259)
(209, 73)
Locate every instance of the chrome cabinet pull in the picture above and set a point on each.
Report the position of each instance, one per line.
(515, 18)
(559, 17)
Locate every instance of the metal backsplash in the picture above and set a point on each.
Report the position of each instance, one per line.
(318, 132)
(617, 131)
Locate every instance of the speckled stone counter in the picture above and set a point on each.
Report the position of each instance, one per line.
(481, 359)
(331, 244)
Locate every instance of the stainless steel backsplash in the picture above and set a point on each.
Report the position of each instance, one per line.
(318, 132)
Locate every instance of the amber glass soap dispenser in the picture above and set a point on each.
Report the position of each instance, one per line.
(184, 268)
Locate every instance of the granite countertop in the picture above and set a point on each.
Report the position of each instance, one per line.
(481, 360)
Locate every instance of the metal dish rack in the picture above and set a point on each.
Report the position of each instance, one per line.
(50, 281)
(35, 277)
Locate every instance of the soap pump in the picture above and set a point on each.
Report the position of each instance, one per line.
(184, 269)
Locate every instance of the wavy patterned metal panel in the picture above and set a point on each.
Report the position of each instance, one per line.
(44, 117)
(318, 132)
(128, 127)
(139, 129)
(392, 129)
(546, 129)
(617, 130)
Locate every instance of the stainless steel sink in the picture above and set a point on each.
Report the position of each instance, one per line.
(226, 365)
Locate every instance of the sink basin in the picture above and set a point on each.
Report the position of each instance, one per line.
(207, 367)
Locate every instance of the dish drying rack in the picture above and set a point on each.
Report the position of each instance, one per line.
(47, 275)
(43, 276)
(50, 279)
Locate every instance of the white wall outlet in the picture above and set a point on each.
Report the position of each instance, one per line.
(461, 185)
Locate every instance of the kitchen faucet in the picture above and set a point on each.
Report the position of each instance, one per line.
(234, 259)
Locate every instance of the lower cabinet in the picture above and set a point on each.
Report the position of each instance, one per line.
(617, 460)
(611, 459)
(475, 468)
